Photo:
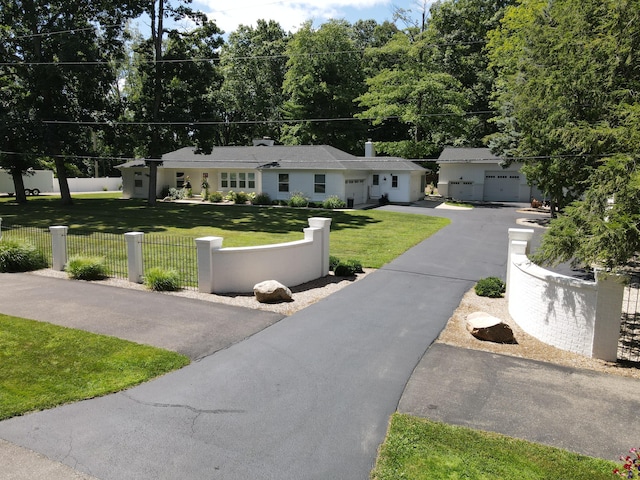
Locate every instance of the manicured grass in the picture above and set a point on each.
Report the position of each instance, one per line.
(419, 449)
(43, 365)
(373, 237)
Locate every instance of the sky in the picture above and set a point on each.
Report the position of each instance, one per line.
(228, 14)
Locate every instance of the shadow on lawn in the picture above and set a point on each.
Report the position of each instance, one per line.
(118, 216)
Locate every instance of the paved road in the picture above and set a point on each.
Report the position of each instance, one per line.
(306, 398)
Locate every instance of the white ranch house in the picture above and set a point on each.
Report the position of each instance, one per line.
(318, 171)
(476, 174)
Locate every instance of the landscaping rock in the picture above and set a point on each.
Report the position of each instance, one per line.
(272, 291)
(491, 329)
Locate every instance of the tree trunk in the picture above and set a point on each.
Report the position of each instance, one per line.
(61, 171)
(154, 149)
(18, 184)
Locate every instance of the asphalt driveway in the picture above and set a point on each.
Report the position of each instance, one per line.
(308, 397)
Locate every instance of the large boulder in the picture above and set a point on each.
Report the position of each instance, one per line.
(272, 291)
(487, 328)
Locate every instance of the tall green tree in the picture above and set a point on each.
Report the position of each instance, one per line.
(410, 97)
(254, 63)
(175, 79)
(568, 88)
(324, 75)
(60, 58)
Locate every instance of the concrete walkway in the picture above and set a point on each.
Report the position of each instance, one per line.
(309, 397)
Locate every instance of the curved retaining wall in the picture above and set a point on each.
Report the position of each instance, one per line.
(574, 315)
(223, 270)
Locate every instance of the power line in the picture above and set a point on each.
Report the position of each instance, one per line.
(254, 122)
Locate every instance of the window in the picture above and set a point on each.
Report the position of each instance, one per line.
(179, 179)
(394, 181)
(137, 179)
(283, 182)
(319, 183)
(240, 180)
(376, 179)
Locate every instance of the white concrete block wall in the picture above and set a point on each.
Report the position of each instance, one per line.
(223, 270)
(570, 314)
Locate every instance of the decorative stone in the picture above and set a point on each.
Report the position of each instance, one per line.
(487, 328)
(272, 291)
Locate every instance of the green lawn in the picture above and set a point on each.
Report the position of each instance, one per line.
(43, 365)
(372, 237)
(419, 449)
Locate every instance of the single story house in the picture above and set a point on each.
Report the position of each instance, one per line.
(318, 171)
(476, 174)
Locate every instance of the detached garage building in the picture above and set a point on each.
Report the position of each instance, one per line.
(476, 174)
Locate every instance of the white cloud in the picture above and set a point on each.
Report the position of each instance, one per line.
(289, 14)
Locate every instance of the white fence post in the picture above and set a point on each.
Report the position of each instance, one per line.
(608, 315)
(135, 266)
(205, 247)
(519, 242)
(325, 225)
(59, 246)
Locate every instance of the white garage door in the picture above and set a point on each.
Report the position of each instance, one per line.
(461, 190)
(355, 189)
(501, 187)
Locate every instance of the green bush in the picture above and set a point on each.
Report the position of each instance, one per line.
(333, 262)
(176, 193)
(344, 270)
(216, 197)
(333, 202)
(356, 264)
(86, 268)
(162, 280)
(20, 257)
(241, 198)
(491, 287)
(298, 199)
(261, 199)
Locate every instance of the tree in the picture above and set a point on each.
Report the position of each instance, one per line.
(553, 89)
(411, 93)
(571, 97)
(60, 63)
(254, 63)
(174, 80)
(323, 78)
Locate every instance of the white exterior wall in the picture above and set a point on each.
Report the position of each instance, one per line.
(223, 270)
(303, 181)
(78, 185)
(475, 172)
(570, 314)
(41, 179)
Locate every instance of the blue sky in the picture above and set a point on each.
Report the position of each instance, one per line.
(291, 14)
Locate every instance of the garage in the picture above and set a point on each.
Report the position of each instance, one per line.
(356, 189)
(501, 187)
(460, 190)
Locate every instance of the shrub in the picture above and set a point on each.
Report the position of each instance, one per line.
(344, 270)
(261, 199)
(348, 268)
(298, 199)
(491, 287)
(333, 202)
(86, 268)
(333, 262)
(20, 257)
(162, 280)
(230, 196)
(176, 193)
(215, 197)
(241, 198)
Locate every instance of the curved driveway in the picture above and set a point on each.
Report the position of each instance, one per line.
(306, 398)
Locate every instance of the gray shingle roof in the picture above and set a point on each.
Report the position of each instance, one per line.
(468, 155)
(296, 157)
